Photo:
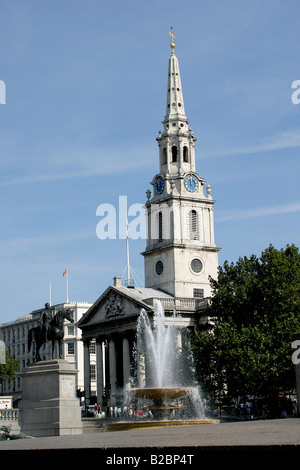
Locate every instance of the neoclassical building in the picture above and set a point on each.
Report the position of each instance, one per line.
(15, 336)
(179, 257)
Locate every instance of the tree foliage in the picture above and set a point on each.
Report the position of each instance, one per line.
(8, 371)
(245, 346)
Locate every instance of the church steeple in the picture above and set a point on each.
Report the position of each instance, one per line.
(181, 253)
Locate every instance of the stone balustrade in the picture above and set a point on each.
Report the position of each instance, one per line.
(8, 415)
(10, 419)
(182, 303)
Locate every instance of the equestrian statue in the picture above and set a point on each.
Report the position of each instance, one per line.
(51, 328)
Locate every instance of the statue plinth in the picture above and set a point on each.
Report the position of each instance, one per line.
(49, 406)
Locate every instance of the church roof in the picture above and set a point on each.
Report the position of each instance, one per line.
(143, 296)
(145, 293)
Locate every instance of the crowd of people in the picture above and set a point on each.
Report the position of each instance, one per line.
(283, 407)
(110, 411)
(246, 408)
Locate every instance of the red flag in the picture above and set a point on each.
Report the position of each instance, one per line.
(65, 272)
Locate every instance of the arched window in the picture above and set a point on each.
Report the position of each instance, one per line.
(185, 154)
(193, 226)
(160, 227)
(164, 156)
(174, 153)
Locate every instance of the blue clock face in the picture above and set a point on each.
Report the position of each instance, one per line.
(159, 185)
(191, 183)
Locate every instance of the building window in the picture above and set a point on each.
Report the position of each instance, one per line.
(193, 225)
(185, 154)
(71, 348)
(164, 156)
(160, 226)
(159, 268)
(93, 371)
(174, 153)
(196, 265)
(92, 348)
(70, 330)
(199, 293)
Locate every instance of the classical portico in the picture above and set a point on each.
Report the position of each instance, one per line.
(112, 323)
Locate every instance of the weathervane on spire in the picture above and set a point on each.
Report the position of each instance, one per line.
(172, 43)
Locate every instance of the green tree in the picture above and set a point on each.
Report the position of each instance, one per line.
(244, 347)
(8, 371)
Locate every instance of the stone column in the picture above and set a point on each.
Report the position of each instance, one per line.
(179, 339)
(99, 359)
(126, 365)
(112, 371)
(87, 371)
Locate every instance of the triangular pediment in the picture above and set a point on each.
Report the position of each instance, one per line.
(113, 304)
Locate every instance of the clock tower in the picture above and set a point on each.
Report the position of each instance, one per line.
(181, 253)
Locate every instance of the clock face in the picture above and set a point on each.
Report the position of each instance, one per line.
(191, 183)
(159, 185)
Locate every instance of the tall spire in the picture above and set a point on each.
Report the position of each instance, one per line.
(177, 141)
(175, 105)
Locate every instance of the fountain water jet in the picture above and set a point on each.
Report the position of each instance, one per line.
(167, 370)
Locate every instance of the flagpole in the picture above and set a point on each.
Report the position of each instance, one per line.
(127, 250)
(67, 281)
(128, 269)
(67, 287)
(50, 289)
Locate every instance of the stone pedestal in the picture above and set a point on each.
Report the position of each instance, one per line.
(49, 406)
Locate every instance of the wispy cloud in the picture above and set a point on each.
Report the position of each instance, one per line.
(85, 163)
(259, 212)
(283, 140)
(23, 244)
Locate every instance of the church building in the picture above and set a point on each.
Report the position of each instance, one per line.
(179, 258)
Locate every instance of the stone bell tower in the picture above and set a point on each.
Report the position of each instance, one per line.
(181, 253)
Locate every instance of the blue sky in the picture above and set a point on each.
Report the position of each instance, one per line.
(85, 96)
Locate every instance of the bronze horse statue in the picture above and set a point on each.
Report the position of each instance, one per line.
(50, 329)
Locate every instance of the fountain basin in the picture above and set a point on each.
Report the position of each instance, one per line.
(161, 393)
(165, 403)
(135, 424)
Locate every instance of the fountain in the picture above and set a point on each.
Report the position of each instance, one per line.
(170, 394)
